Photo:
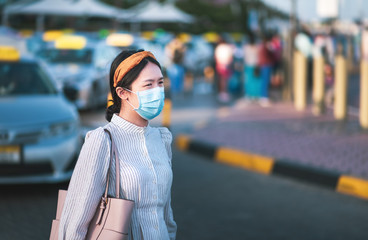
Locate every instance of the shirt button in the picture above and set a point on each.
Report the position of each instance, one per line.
(154, 182)
(156, 227)
(154, 196)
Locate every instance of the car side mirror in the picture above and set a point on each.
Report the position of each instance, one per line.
(70, 93)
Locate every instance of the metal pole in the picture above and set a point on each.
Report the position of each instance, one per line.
(318, 85)
(300, 81)
(340, 91)
(290, 51)
(363, 115)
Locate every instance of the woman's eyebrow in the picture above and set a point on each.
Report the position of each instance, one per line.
(152, 80)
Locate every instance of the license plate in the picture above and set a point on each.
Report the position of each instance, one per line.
(9, 154)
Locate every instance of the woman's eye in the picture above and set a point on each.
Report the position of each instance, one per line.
(161, 82)
(148, 85)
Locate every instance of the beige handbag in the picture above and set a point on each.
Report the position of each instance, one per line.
(112, 218)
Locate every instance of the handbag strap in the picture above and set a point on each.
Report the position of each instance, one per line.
(113, 152)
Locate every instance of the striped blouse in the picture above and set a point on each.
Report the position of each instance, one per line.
(146, 178)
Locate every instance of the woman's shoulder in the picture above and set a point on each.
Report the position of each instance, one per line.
(97, 133)
(165, 134)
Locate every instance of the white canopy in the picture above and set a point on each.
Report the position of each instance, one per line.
(153, 11)
(76, 8)
(91, 8)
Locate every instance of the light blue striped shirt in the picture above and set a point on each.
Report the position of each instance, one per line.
(146, 178)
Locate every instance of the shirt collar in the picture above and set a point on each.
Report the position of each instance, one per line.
(128, 126)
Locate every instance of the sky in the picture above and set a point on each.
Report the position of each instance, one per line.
(307, 9)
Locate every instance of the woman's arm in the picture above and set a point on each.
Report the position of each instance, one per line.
(169, 220)
(86, 186)
(168, 217)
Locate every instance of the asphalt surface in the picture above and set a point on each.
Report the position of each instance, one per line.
(214, 201)
(210, 200)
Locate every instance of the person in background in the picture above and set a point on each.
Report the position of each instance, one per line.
(175, 50)
(224, 53)
(276, 45)
(252, 80)
(265, 61)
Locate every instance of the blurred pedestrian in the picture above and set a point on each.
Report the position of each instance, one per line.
(276, 46)
(224, 58)
(144, 152)
(236, 79)
(365, 44)
(266, 61)
(324, 47)
(252, 80)
(175, 50)
(304, 44)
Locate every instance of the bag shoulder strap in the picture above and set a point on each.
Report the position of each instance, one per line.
(113, 152)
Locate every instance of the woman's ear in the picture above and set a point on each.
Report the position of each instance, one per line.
(122, 93)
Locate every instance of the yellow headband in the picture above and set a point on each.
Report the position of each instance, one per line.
(129, 63)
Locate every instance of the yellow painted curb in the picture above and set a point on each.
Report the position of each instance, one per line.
(182, 142)
(353, 186)
(245, 160)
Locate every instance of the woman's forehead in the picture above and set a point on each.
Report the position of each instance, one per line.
(150, 72)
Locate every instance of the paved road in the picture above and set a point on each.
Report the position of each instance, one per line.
(214, 202)
(211, 201)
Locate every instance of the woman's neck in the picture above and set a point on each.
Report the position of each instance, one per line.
(133, 117)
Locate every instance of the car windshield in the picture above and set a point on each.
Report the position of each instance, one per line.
(83, 56)
(22, 78)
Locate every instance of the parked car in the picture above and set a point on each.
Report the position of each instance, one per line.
(39, 127)
(81, 66)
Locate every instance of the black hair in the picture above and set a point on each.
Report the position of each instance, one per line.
(126, 81)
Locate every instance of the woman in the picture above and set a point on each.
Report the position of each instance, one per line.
(136, 84)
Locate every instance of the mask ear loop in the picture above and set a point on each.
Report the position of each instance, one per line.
(129, 102)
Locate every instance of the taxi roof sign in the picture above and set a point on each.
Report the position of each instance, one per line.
(120, 40)
(148, 35)
(9, 54)
(211, 37)
(71, 42)
(52, 35)
(185, 37)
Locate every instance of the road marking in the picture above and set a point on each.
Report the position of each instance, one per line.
(353, 186)
(245, 160)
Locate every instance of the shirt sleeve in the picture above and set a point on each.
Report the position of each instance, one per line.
(169, 220)
(167, 140)
(169, 217)
(86, 186)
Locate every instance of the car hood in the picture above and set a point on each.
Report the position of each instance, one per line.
(22, 111)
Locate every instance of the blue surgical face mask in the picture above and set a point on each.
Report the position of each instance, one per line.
(151, 102)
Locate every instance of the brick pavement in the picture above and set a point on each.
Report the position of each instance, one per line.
(281, 132)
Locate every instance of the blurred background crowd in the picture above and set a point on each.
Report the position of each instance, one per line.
(235, 48)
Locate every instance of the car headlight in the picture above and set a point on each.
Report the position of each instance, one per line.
(61, 129)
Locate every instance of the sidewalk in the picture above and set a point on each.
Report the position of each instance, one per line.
(280, 140)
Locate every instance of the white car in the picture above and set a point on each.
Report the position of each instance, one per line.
(39, 127)
(83, 70)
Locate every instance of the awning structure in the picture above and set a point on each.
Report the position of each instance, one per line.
(153, 11)
(72, 8)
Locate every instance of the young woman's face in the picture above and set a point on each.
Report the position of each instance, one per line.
(150, 77)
